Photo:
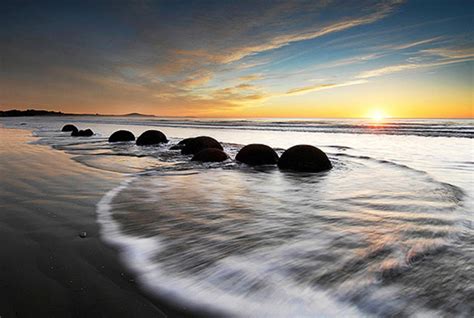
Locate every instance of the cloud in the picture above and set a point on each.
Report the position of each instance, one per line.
(345, 62)
(239, 94)
(445, 56)
(198, 79)
(251, 77)
(320, 87)
(265, 41)
(166, 54)
(388, 70)
(404, 67)
(408, 45)
(219, 43)
(449, 56)
(451, 53)
(237, 38)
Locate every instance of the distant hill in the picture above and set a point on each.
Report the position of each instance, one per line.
(29, 112)
(135, 115)
(36, 112)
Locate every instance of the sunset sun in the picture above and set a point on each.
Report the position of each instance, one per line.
(377, 115)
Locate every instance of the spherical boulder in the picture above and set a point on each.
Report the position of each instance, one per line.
(82, 133)
(197, 144)
(69, 127)
(151, 137)
(257, 154)
(210, 155)
(185, 141)
(181, 144)
(121, 135)
(304, 158)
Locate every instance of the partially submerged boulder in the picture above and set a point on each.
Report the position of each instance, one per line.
(185, 141)
(257, 154)
(181, 144)
(121, 135)
(69, 127)
(304, 158)
(151, 137)
(210, 155)
(82, 133)
(197, 144)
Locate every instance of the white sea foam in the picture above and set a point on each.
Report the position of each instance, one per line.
(205, 291)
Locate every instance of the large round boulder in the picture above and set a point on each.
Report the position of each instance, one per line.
(185, 141)
(181, 144)
(82, 133)
(304, 158)
(257, 154)
(121, 135)
(197, 144)
(210, 155)
(151, 137)
(69, 127)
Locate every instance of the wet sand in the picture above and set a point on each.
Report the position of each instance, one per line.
(46, 268)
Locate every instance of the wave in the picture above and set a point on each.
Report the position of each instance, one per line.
(216, 239)
(140, 253)
(428, 128)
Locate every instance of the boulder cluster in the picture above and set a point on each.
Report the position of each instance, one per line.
(304, 158)
(75, 132)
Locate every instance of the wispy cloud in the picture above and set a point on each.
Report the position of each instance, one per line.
(320, 87)
(388, 70)
(271, 42)
(409, 45)
(200, 64)
(451, 53)
(239, 94)
(200, 78)
(445, 56)
(251, 77)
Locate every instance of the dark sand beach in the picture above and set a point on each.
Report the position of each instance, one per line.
(47, 269)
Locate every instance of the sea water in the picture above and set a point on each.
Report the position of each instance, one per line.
(388, 231)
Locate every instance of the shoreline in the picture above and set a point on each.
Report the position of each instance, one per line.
(47, 269)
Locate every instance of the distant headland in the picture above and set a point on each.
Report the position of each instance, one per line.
(40, 112)
(29, 112)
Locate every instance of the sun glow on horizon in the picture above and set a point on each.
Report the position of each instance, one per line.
(377, 115)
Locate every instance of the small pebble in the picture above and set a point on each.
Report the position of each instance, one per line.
(83, 235)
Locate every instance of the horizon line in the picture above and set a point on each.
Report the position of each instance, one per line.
(228, 117)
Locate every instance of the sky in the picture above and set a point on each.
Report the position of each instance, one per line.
(239, 58)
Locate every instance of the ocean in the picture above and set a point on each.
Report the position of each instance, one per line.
(388, 231)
